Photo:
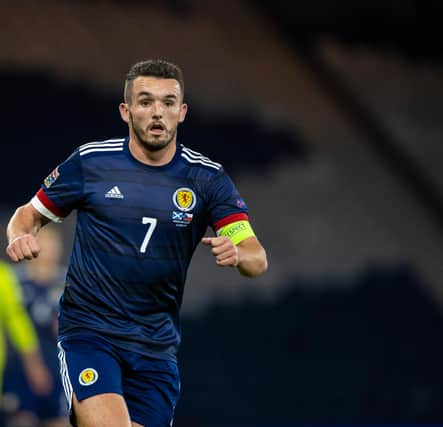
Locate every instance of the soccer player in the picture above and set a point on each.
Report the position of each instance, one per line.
(143, 205)
(16, 324)
(40, 282)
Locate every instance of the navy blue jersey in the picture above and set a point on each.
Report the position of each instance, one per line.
(137, 228)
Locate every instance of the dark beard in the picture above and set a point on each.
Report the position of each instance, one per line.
(151, 146)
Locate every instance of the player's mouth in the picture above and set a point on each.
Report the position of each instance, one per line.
(156, 128)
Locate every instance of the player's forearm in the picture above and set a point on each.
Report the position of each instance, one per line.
(252, 258)
(36, 372)
(31, 358)
(21, 233)
(24, 221)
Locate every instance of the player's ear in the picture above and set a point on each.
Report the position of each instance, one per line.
(124, 111)
(183, 111)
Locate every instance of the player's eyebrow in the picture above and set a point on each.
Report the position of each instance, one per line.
(149, 94)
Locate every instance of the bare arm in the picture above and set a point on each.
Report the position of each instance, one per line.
(37, 374)
(21, 231)
(248, 256)
(252, 258)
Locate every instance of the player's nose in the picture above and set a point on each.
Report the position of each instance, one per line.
(157, 110)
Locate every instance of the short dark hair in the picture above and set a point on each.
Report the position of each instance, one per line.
(153, 68)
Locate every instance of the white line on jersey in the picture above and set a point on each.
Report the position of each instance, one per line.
(101, 149)
(201, 161)
(100, 143)
(195, 155)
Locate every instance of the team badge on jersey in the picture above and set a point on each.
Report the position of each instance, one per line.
(88, 376)
(184, 199)
(50, 179)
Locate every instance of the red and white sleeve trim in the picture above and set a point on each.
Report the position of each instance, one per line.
(230, 219)
(44, 205)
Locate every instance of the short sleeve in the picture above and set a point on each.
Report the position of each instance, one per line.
(225, 204)
(61, 191)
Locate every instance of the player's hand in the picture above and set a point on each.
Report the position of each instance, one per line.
(225, 252)
(23, 247)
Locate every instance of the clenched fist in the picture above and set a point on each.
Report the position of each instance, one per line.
(23, 247)
(225, 252)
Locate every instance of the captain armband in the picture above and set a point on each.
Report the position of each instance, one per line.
(237, 231)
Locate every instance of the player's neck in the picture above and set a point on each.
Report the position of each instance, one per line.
(152, 158)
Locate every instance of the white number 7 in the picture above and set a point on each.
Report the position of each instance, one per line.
(152, 224)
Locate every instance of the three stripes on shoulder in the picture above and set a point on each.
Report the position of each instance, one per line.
(194, 157)
(108, 145)
(117, 145)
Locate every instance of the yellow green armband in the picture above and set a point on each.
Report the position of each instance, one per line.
(237, 231)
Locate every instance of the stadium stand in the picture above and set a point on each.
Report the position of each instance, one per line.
(368, 353)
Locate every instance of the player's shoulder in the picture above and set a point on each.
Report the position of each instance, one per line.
(194, 159)
(100, 148)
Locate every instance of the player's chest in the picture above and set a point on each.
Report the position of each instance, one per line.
(174, 201)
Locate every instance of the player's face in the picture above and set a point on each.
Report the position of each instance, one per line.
(155, 111)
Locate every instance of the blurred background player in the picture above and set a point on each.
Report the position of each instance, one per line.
(42, 283)
(15, 323)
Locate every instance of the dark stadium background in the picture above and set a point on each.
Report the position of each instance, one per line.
(329, 116)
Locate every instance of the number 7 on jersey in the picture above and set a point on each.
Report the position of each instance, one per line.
(152, 224)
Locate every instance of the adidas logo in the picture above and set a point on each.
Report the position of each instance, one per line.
(114, 193)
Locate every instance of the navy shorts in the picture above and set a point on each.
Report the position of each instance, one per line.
(150, 386)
